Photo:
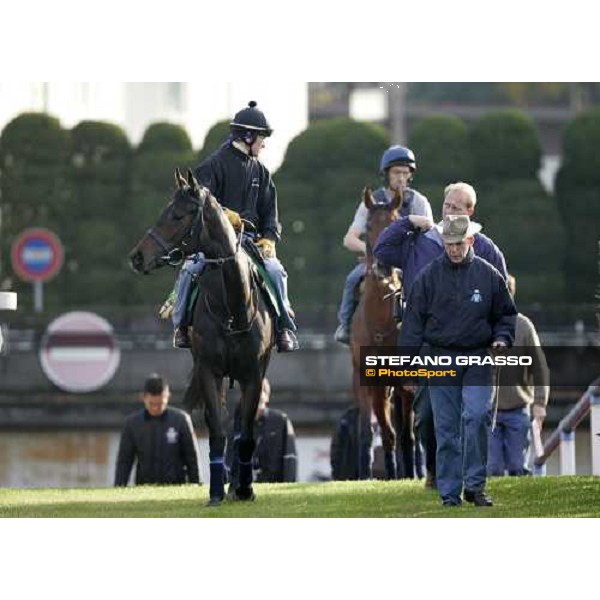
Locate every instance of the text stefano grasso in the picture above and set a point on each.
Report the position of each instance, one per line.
(448, 361)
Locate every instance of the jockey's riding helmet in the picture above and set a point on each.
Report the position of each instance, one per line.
(249, 123)
(398, 155)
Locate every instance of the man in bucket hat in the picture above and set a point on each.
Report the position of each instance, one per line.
(459, 305)
(411, 243)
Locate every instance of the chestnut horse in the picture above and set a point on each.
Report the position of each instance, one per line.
(374, 324)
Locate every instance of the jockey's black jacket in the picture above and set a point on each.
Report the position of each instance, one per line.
(165, 448)
(243, 184)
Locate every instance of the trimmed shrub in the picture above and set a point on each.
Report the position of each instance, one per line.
(578, 194)
(164, 138)
(505, 145)
(440, 144)
(216, 135)
(523, 221)
(164, 147)
(33, 139)
(99, 178)
(33, 161)
(581, 163)
(319, 186)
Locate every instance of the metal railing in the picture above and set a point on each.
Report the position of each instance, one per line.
(564, 435)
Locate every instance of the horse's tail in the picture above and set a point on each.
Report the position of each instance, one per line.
(192, 396)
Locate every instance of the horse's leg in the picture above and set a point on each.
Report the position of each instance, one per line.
(213, 389)
(419, 459)
(425, 431)
(404, 425)
(250, 398)
(408, 436)
(381, 408)
(365, 432)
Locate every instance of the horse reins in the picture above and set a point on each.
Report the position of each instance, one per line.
(220, 262)
(371, 271)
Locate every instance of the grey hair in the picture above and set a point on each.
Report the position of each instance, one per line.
(466, 188)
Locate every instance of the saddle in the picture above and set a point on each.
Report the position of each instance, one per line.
(259, 274)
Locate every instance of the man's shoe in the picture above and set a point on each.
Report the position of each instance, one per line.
(451, 502)
(478, 498)
(181, 338)
(287, 341)
(342, 335)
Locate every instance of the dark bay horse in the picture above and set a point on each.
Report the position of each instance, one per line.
(373, 324)
(232, 328)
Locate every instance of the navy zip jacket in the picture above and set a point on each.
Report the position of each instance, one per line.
(243, 184)
(165, 449)
(401, 245)
(462, 306)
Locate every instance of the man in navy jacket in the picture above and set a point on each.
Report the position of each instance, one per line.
(159, 439)
(460, 306)
(411, 243)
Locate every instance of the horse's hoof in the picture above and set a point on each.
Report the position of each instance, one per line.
(243, 495)
(215, 502)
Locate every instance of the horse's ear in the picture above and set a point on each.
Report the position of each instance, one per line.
(192, 180)
(368, 198)
(397, 201)
(179, 180)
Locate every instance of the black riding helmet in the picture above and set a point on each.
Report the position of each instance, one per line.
(249, 123)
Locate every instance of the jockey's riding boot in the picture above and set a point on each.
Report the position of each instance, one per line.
(287, 341)
(342, 335)
(181, 338)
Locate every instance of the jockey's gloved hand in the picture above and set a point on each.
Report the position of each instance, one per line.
(267, 247)
(166, 310)
(234, 218)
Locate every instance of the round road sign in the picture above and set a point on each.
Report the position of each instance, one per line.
(37, 255)
(79, 352)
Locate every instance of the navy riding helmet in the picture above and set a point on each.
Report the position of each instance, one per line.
(397, 155)
(249, 123)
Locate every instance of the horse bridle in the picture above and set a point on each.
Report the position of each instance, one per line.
(176, 255)
(373, 271)
(373, 268)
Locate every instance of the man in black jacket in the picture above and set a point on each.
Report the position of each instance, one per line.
(274, 459)
(243, 185)
(459, 306)
(160, 438)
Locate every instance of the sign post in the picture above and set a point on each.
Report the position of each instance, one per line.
(8, 301)
(37, 255)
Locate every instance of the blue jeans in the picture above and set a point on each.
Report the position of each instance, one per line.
(509, 443)
(192, 266)
(195, 265)
(348, 305)
(462, 417)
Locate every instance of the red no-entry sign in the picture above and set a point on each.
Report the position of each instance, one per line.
(79, 352)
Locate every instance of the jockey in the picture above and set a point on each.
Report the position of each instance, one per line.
(397, 166)
(243, 186)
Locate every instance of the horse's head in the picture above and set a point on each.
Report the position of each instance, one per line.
(380, 215)
(192, 221)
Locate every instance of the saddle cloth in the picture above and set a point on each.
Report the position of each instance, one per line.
(259, 274)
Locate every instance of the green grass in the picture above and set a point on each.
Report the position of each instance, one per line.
(515, 497)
